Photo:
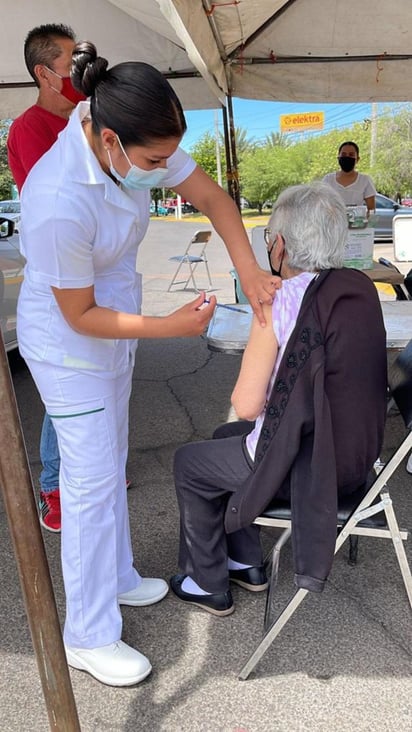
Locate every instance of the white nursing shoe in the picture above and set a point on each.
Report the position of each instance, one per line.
(149, 591)
(116, 664)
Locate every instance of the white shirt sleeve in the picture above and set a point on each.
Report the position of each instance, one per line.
(179, 166)
(58, 246)
(370, 189)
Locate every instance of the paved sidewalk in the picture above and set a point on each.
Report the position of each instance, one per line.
(342, 664)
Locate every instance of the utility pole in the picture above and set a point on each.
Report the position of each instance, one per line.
(374, 132)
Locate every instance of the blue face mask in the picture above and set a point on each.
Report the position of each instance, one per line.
(137, 178)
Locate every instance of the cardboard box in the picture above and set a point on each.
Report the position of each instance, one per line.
(359, 248)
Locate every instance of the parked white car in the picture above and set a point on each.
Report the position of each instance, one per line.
(386, 209)
(11, 276)
(11, 209)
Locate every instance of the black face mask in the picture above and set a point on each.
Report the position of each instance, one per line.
(347, 164)
(276, 272)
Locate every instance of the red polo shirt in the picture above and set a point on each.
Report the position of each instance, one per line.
(30, 136)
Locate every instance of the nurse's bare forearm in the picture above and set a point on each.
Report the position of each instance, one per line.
(105, 323)
(85, 317)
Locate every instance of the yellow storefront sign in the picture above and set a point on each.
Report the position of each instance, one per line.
(302, 121)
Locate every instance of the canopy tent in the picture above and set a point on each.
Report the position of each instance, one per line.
(286, 50)
(283, 50)
(299, 50)
(118, 37)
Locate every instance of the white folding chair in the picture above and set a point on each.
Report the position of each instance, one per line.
(194, 255)
(368, 512)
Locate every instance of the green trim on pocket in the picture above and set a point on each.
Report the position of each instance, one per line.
(79, 414)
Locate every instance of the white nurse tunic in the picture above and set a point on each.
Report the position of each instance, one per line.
(79, 229)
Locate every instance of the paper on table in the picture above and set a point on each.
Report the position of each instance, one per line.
(229, 330)
(397, 316)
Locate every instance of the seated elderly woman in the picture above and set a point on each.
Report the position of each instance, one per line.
(312, 396)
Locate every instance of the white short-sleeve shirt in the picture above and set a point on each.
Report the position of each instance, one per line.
(355, 194)
(80, 229)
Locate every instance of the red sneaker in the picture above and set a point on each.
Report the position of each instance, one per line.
(50, 514)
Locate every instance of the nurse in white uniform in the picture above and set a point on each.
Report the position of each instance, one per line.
(85, 209)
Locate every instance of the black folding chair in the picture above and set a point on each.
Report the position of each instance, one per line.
(367, 512)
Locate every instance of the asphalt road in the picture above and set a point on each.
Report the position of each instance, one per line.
(342, 663)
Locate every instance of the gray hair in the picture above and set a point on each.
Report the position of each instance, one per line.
(313, 223)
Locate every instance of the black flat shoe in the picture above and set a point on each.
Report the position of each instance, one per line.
(220, 603)
(252, 578)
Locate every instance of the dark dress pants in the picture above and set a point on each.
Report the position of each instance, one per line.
(206, 473)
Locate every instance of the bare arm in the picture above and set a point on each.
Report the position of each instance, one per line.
(82, 313)
(249, 394)
(257, 284)
(370, 202)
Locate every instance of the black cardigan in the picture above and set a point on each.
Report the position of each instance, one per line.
(325, 418)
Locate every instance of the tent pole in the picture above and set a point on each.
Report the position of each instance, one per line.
(227, 152)
(231, 173)
(232, 137)
(17, 490)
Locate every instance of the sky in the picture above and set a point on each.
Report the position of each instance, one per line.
(260, 118)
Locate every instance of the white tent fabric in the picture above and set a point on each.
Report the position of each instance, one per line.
(295, 50)
(285, 50)
(117, 35)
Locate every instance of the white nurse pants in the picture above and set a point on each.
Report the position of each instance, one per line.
(90, 415)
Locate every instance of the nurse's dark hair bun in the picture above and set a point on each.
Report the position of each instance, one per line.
(88, 69)
(131, 98)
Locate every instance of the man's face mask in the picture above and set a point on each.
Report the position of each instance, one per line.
(137, 178)
(67, 91)
(347, 164)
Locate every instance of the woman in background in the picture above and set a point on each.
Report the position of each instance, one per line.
(356, 189)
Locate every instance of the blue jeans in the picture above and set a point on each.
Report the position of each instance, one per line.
(49, 456)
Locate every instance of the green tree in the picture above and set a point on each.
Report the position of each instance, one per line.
(265, 172)
(277, 139)
(391, 171)
(204, 152)
(6, 178)
(157, 195)
(244, 143)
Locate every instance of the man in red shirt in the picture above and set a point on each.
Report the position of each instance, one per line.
(48, 54)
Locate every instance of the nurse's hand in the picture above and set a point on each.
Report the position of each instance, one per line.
(192, 318)
(260, 287)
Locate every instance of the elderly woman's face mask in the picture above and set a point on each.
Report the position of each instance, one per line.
(270, 243)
